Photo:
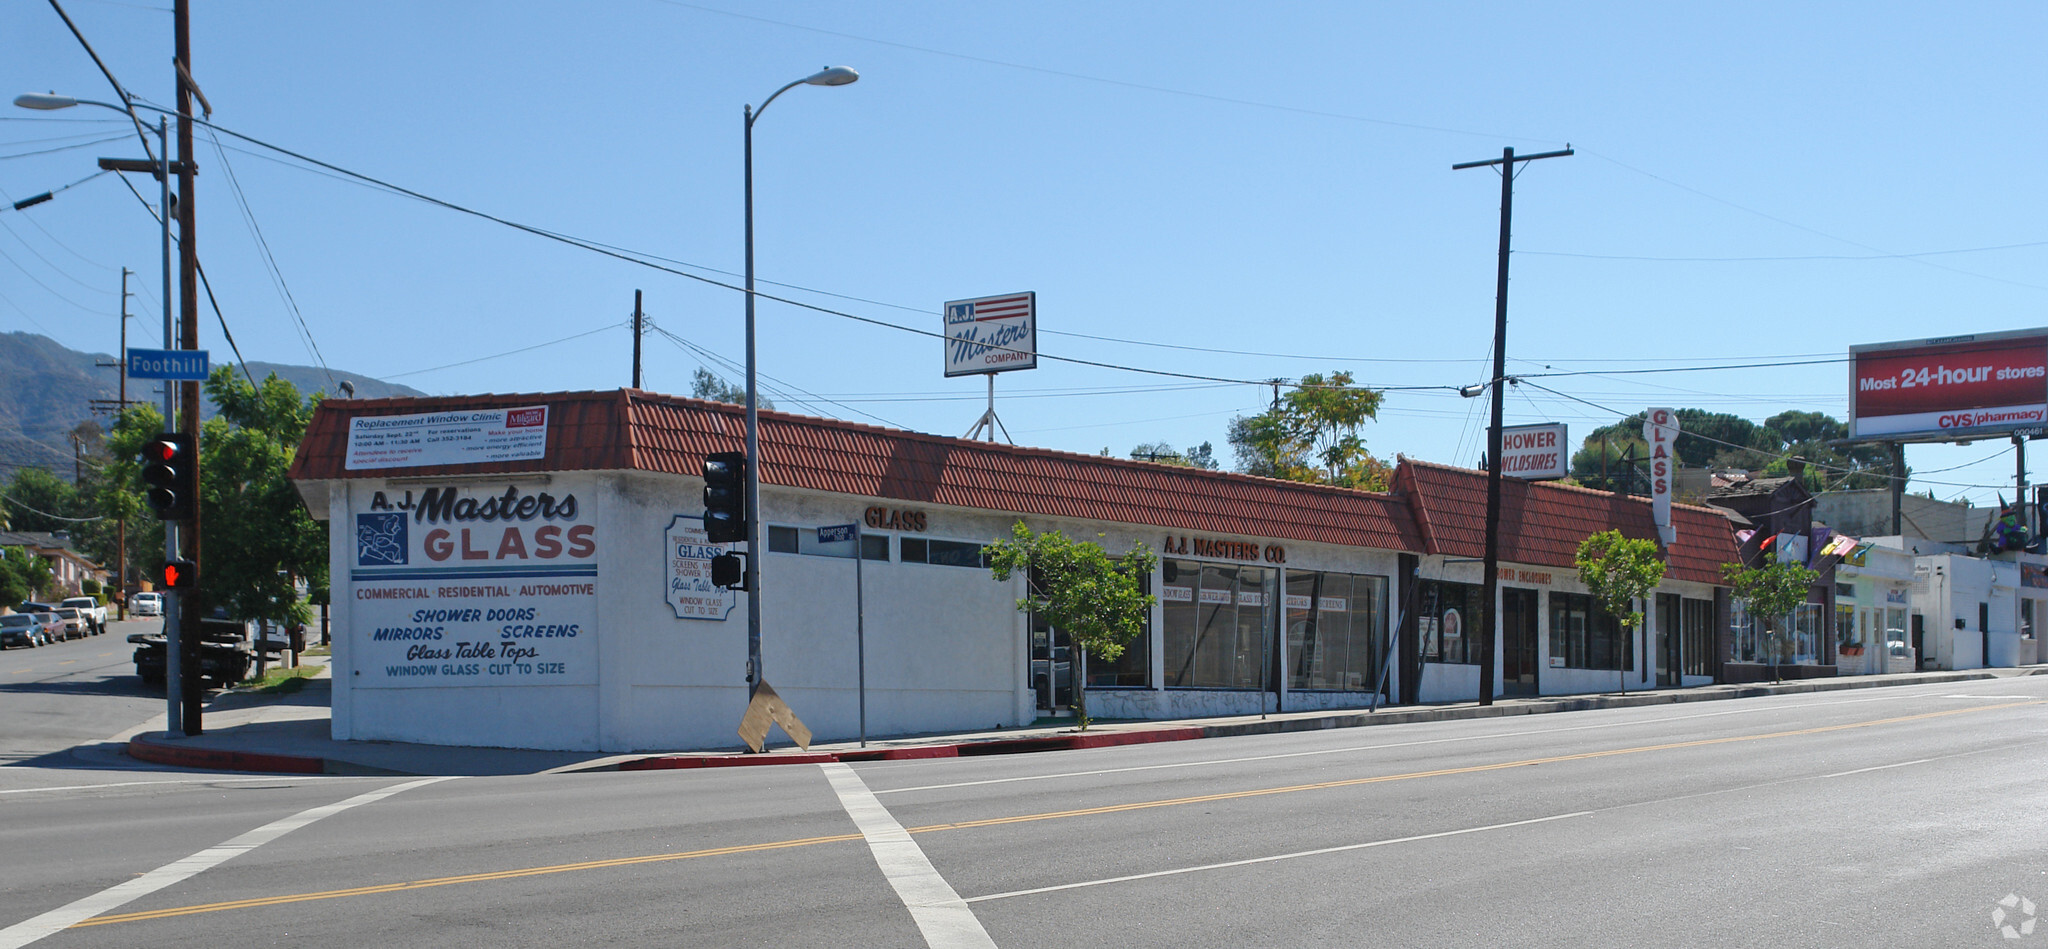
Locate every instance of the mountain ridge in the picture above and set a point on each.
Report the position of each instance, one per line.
(47, 391)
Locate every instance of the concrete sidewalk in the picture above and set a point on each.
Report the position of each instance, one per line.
(290, 733)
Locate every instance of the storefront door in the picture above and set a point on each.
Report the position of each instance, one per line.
(1052, 668)
(1518, 641)
(1668, 621)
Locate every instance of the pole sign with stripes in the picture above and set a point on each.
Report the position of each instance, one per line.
(992, 334)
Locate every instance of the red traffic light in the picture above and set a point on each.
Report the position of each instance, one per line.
(180, 575)
(165, 449)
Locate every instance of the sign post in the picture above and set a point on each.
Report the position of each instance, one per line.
(841, 533)
(988, 335)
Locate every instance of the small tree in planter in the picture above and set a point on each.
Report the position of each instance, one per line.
(1080, 591)
(1618, 571)
(1772, 591)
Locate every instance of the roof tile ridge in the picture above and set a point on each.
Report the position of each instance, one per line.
(1418, 511)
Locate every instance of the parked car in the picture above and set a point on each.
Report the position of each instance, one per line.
(92, 609)
(75, 624)
(53, 626)
(21, 629)
(146, 604)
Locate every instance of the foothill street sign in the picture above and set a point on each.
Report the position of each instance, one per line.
(183, 365)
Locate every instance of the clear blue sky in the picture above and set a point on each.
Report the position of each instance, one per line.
(1243, 191)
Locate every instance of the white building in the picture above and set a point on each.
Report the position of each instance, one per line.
(531, 571)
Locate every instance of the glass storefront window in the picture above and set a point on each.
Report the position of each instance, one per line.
(1446, 617)
(1336, 623)
(1216, 618)
(1796, 643)
(1584, 636)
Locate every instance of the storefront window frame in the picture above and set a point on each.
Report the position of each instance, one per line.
(1298, 637)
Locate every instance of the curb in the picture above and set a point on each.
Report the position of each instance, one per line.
(155, 747)
(1000, 746)
(160, 748)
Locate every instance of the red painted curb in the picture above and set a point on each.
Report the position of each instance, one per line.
(901, 754)
(1113, 739)
(217, 759)
(723, 761)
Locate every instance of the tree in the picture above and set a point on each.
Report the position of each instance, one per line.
(116, 492)
(1772, 592)
(705, 384)
(1717, 439)
(1079, 590)
(1203, 457)
(1312, 435)
(1619, 571)
(23, 575)
(258, 537)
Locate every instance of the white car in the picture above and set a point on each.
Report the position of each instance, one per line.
(146, 604)
(89, 608)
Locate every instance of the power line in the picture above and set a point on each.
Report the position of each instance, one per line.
(1796, 257)
(514, 352)
(270, 262)
(1776, 455)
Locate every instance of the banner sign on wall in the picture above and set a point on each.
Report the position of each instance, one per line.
(447, 438)
(465, 586)
(1535, 452)
(992, 334)
(1660, 432)
(1949, 389)
(690, 592)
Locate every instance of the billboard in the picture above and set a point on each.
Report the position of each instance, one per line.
(992, 334)
(1534, 452)
(1953, 388)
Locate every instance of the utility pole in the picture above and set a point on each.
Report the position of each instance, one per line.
(636, 339)
(121, 526)
(1486, 630)
(188, 332)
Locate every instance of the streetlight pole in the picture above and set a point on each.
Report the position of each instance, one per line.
(162, 167)
(829, 76)
(1487, 628)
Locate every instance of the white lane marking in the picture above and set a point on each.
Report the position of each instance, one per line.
(1275, 857)
(941, 915)
(1349, 749)
(1882, 767)
(112, 898)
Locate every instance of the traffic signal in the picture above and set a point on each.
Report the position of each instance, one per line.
(725, 497)
(729, 571)
(180, 575)
(170, 467)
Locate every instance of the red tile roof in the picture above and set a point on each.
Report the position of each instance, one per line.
(1542, 524)
(641, 431)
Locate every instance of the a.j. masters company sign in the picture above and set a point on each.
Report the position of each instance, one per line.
(455, 586)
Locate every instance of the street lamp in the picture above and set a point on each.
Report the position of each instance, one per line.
(829, 76)
(49, 102)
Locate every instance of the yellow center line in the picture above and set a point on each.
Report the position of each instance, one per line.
(996, 821)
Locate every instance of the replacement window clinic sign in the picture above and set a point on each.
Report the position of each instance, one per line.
(1951, 388)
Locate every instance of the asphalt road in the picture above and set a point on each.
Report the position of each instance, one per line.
(56, 698)
(1889, 817)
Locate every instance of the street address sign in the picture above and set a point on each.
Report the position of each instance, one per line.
(184, 365)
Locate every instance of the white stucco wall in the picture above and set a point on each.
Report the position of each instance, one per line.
(1456, 682)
